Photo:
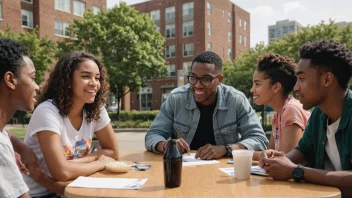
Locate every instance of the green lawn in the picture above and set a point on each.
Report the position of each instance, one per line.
(18, 131)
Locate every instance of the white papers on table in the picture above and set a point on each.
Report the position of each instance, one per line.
(189, 160)
(254, 170)
(111, 183)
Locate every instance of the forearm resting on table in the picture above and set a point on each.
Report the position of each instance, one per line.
(37, 173)
(237, 146)
(94, 156)
(339, 179)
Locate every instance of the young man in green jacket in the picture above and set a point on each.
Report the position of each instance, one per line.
(324, 154)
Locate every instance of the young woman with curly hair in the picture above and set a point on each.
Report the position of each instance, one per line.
(71, 109)
(273, 81)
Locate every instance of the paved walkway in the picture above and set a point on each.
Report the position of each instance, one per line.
(128, 141)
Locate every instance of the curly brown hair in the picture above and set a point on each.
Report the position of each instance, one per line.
(278, 69)
(58, 85)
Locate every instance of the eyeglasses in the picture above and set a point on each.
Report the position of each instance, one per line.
(205, 81)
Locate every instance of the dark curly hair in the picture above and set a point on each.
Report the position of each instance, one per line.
(209, 57)
(331, 56)
(58, 85)
(278, 69)
(11, 56)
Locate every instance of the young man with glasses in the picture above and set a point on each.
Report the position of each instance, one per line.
(206, 115)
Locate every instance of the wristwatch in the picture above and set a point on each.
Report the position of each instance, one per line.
(298, 173)
(229, 150)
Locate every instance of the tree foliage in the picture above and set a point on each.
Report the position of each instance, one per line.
(126, 41)
(238, 73)
(41, 50)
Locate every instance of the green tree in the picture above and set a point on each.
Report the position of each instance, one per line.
(126, 41)
(239, 72)
(41, 50)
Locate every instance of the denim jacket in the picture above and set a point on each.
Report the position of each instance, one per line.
(234, 120)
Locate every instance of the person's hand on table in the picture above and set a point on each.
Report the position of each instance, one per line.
(277, 165)
(209, 151)
(183, 146)
(104, 160)
(268, 154)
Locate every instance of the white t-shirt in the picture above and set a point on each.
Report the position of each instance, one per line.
(11, 181)
(76, 144)
(331, 147)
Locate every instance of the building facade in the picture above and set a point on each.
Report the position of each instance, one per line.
(191, 27)
(282, 28)
(51, 17)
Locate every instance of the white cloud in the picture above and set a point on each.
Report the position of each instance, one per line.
(288, 7)
(262, 11)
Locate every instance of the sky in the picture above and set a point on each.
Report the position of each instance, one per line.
(267, 12)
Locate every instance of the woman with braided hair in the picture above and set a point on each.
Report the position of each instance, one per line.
(273, 81)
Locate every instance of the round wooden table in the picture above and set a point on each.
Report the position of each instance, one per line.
(200, 181)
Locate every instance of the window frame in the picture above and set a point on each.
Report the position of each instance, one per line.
(29, 18)
(75, 2)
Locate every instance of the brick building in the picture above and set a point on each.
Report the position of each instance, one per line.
(191, 27)
(52, 17)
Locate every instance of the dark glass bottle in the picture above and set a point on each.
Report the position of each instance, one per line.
(172, 165)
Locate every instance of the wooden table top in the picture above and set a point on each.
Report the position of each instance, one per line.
(200, 181)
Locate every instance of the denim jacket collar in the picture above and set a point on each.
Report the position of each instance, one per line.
(220, 102)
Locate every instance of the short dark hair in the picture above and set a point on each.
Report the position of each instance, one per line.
(11, 56)
(209, 57)
(278, 69)
(329, 55)
(58, 86)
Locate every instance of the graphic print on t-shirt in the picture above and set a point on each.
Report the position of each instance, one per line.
(80, 150)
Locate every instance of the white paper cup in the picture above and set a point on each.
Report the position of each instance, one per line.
(242, 162)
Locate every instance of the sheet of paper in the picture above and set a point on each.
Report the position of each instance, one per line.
(254, 170)
(111, 183)
(189, 160)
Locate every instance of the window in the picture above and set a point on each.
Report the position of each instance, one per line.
(285, 30)
(245, 25)
(170, 51)
(292, 28)
(209, 29)
(27, 18)
(63, 5)
(170, 31)
(240, 39)
(229, 54)
(229, 36)
(157, 28)
(171, 70)
(96, 9)
(187, 65)
(245, 41)
(0, 10)
(61, 28)
(187, 8)
(229, 17)
(210, 46)
(170, 13)
(209, 8)
(188, 28)
(155, 15)
(240, 22)
(145, 99)
(188, 49)
(79, 8)
(27, 1)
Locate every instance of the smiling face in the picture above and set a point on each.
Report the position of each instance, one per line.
(262, 89)
(23, 96)
(205, 94)
(86, 84)
(309, 86)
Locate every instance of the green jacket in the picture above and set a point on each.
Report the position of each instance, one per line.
(312, 144)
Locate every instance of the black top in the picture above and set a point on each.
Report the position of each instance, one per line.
(205, 133)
